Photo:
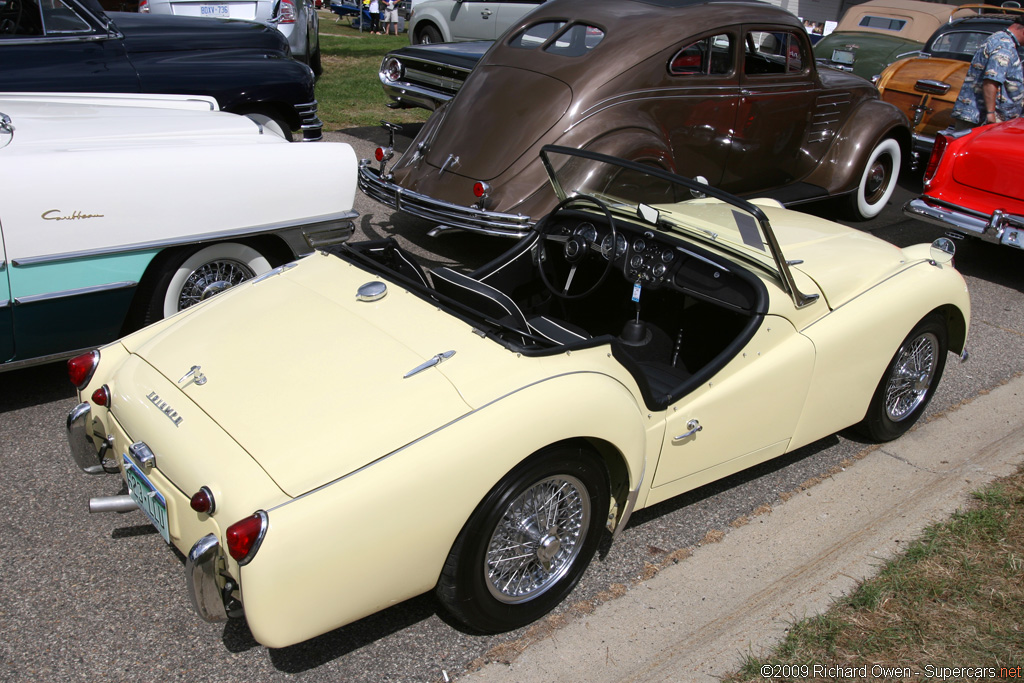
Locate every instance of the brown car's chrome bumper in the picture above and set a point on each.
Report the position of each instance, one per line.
(443, 213)
(999, 227)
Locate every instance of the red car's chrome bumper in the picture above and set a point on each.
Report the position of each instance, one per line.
(998, 227)
(444, 213)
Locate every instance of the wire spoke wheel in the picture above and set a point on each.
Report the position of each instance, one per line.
(912, 377)
(537, 539)
(212, 278)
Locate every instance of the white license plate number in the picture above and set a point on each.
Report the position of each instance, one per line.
(149, 500)
(214, 11)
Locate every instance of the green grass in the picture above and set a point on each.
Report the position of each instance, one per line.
(349, 92)
(955, 598)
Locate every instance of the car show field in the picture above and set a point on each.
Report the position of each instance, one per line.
(68, 573)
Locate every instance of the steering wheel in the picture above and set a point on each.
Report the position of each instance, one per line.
(576, 248)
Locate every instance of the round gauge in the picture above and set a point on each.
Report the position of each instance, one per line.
(639, 245)
(587, 232)
(636, 262)
(607, 247)
(667, 256)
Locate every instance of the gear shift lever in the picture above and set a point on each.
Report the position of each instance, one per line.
(635, 332)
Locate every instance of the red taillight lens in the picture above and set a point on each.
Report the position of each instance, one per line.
(933, 161)
(287, 12)
(481, 189)
(202, 501)
(80, 368)
(101, 396)
(244, 537)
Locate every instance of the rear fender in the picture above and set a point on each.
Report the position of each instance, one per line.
(409, 507)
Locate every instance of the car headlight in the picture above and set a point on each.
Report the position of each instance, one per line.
(392, 69)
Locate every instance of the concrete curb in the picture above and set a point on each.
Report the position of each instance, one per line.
(694, 621)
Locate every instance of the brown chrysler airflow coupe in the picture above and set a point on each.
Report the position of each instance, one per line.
(727, 92)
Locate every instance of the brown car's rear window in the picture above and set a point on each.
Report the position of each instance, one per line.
(573, 40)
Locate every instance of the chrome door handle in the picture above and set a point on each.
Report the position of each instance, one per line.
(485, 13)
(693, 426)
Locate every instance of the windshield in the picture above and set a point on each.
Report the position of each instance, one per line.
(671, 203)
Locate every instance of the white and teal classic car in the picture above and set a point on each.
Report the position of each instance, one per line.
(121, 209)
(477, 433)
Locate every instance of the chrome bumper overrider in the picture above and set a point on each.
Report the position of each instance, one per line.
(998, 228)
(444, 213)
(83, 450)
(309, 123)
(201, 578)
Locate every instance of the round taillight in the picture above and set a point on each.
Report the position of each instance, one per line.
(391, 69)
(80, 368)
(382, 153)
(202, 501)
(481, 189)
(101, 396)
(933, 161)
(244, 537)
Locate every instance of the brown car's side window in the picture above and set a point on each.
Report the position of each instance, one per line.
(711, 56)
(774, 52)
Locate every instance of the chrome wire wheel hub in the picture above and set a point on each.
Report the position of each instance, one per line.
(912, 377)
(537, 539)
(212, 278)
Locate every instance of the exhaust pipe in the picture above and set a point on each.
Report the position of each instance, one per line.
(112, 504)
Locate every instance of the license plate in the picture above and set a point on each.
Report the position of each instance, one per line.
(150, 501)
(214, 11)
(842, 57)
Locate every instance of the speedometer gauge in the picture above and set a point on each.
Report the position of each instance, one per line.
(607, 247)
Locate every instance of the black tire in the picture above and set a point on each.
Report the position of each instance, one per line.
(200, 272)
(877, 181)
(428, 35)
(909, 381)
(476, 583)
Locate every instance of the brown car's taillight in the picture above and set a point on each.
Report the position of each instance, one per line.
(936, 157)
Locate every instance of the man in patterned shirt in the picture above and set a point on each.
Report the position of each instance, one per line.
(993, 89)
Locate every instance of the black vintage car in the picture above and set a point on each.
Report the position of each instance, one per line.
(75, 46)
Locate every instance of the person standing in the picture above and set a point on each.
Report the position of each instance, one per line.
(390, 16)
(993, 89)
(375, 17)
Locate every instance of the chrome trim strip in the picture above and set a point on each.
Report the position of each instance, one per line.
(5, 303)
(50, 296)
(41, 360)
(452, 215)
(201, 579)
(188, 239)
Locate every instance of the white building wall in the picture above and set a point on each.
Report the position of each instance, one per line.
(813, 10)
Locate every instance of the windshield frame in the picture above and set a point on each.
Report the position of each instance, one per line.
(785, 274)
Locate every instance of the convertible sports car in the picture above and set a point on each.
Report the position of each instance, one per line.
(121, 209)
(961, 192)
(727, 91)
(474, 433)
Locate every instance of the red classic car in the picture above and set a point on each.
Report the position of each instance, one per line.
(963, 191)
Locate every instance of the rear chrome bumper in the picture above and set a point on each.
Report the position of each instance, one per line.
(443, 213)
(998, 228)
(201, 577)
(83, 448)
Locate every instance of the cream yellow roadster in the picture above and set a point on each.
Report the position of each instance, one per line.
(351, 430)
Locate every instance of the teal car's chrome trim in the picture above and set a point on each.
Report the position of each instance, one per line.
(5, 303)
(73, 292)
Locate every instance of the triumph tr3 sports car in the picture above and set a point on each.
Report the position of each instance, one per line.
(727, 91)
(475, 433)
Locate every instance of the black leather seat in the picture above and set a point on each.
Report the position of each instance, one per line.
(500, 307)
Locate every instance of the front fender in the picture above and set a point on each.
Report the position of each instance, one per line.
(382, 534)
(873, 121)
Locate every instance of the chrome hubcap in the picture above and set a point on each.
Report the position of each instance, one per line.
(212, 278)
(877, 179)
(537, 539)
(911, 377)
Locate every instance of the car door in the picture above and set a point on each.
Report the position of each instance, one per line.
(778, 87)
(474, 20)
(746, 413)
(699, 108)
(59, 46)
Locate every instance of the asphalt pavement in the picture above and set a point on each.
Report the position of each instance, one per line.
(101, 597)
